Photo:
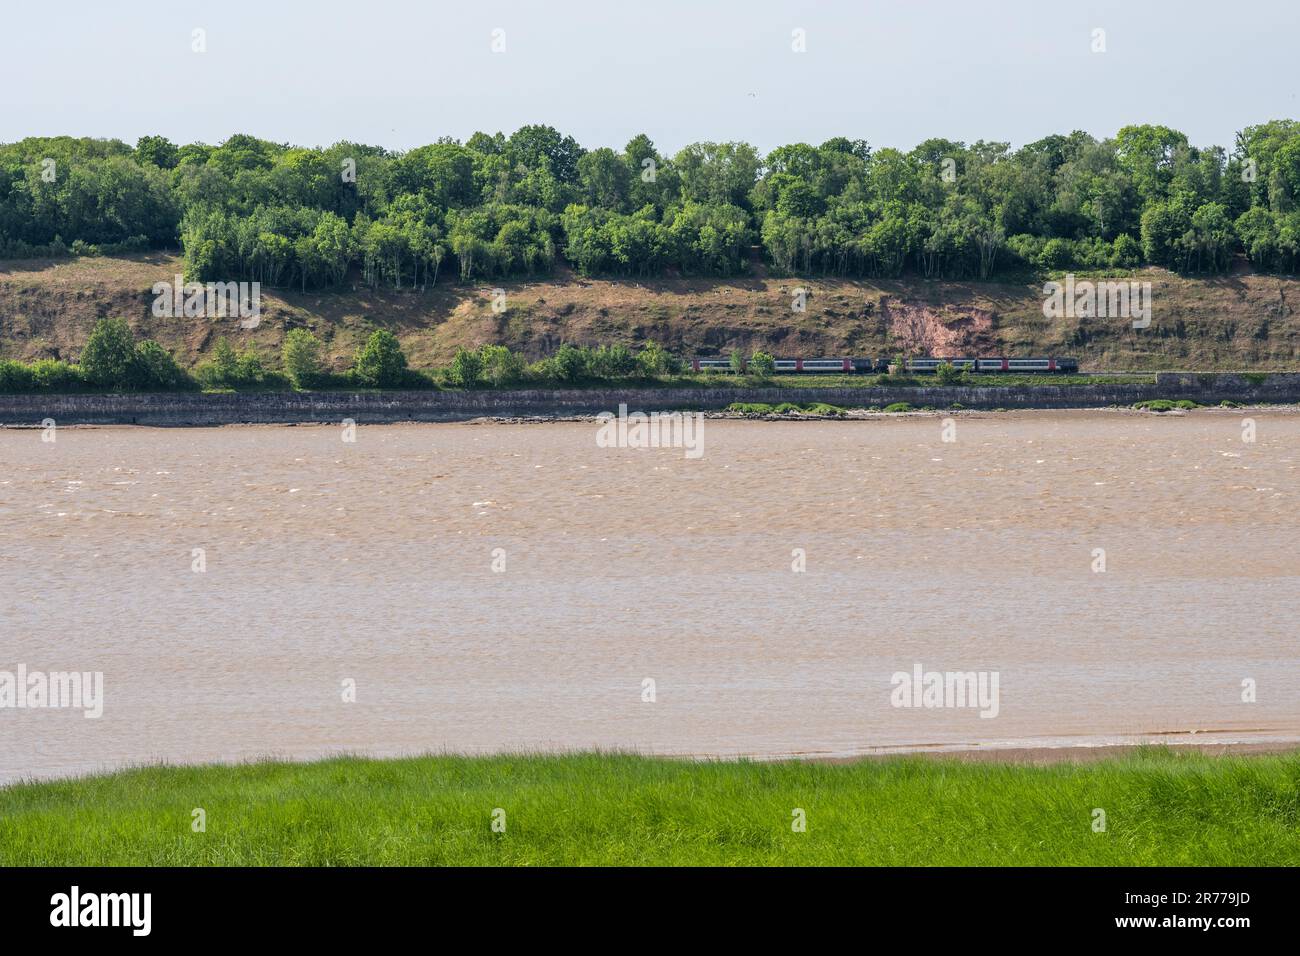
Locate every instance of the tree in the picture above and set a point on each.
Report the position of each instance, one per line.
(653, 361)
(157, 150)
(569, 363)
(500, 366)
(380, 363)
(465, 368)
(300, 355)
(109, 358)
(158, 369)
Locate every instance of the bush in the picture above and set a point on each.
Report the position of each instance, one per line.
(465, 368)
(653, 361)
(611, 361)
(229, 370)
(948, 374)
(16, 377)
(500, 366)
(1126, 252)
(1058, 253)
(300, 356)
(762, 365)
(51, 375)
(157, 368)
(380, 363)
(109, 359)
(899, 407)
(568, 364)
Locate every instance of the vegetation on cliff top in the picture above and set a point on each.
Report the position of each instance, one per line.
(502, 206)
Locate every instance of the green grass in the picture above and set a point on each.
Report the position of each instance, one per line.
(1166, 405)
(1162, 808)
(786, 408)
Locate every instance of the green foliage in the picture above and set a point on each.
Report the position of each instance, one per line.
(569, 364)
(500, 367)
(653, 361)
(109, 360)
(465, 368)
(610, 361)
(1165, 807)
(301, 357)
(762, 365)
(380, 363)
(899, 407)
(227, 369)
(1166, 405)
(500, 206)
(946, 373)
(157, 369)
(16, 377)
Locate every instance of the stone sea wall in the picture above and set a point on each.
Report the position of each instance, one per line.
(435, 406)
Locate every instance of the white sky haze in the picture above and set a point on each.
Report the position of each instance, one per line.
(401, 73)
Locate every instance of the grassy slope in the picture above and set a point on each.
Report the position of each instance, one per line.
(1235, 321)
(1162, 808)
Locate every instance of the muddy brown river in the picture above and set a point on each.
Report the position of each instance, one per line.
(798, 589)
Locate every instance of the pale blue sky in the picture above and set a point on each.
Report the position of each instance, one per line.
(400, 73)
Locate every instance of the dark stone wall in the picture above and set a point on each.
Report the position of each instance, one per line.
(433, 406)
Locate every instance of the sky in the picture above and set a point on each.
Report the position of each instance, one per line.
(401, 73)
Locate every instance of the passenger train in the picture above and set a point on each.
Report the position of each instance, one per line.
(920, 365)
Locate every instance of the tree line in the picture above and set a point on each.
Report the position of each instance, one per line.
(501, 206)
(113, 361)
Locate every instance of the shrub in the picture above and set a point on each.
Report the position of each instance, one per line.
(1165, 405)
(380, 363)
(230, 370)
(568, 364)
(500, 366)
(948, 374)
(611, 361)
(653, 360)
(109, 359)
(300, 356)
(1126, 252)
(158, 369)
(762, 365)
(1058, 253)
(51, 375)
(899, 407)
(465, 368)
(16, 377)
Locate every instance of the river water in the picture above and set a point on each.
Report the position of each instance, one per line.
(278, 591)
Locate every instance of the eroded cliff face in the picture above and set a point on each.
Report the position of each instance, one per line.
(47, 309)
